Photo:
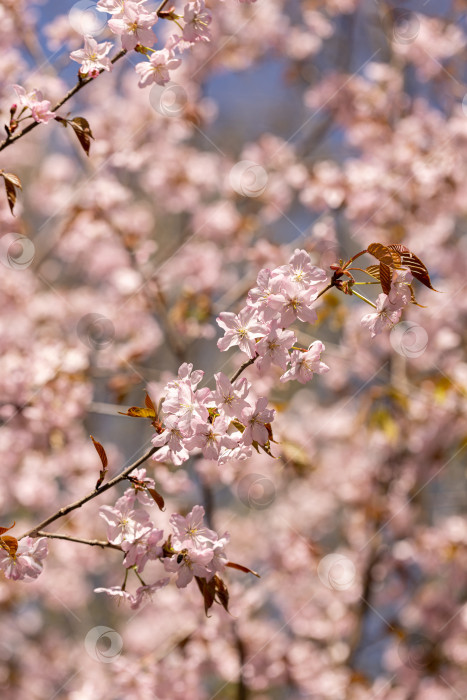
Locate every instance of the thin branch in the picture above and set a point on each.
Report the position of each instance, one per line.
(242, 368)
(69, 538)
(96, 492)
(79, 85)
(161, 7)
(326, 289)
(363, 298)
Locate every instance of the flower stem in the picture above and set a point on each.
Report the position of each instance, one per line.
(363, 298)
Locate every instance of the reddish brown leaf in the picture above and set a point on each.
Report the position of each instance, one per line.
(415, 265)
(222, 593)
(14, 179)
(149, 404)
(11, 183)
(385, 277)
(10, 543)
(208, 592)
(382, 253)
(157, 498)
(373, 271)
(240, 567)
(103, 456)
(81, 127)
(138, 412)
(5, 529)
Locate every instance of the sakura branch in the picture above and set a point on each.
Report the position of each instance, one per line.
(222, 424)
(133, 24)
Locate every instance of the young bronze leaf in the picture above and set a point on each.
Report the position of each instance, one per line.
(5, 529)
(222, 592)
(11, 183)
(14, 179)
(81, 127)
(102, 454)
(415, 265)
(381, 253)
(10, 543)
(149, 404)
(385, 277)
(208, 591)
(138, 412)
(240, 567)
(373, 271)
(157, 498)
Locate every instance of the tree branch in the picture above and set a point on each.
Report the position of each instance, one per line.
(69, 538)
(242, 368)
(79, 85)
(77, 504)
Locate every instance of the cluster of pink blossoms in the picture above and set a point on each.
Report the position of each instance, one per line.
(190, 550)
(133, 22)
(40, 108)
(26, 563)
(282, 296)
(224, 424)
(221, 423)
(389, 306)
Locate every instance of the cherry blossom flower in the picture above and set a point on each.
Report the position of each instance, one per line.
(385, 316)
(400, 291)
(189, 406)
(40, 109)
(139, 552)
(240, 330)
(230, 398)
(255, 420)
(139, 493)
(93, 57)
(115, 592)
(294, 302)
(156, 69)
(210, 438)
(190, 530)
(124, 523)
(134, 26)
(305, 364)
(188, 564)
(115, 7)
(258, 297)
(26, 563)
(219, 557)
(197, 19)
(145, 592)
(274, 348)
(172, 435)
(301, 271)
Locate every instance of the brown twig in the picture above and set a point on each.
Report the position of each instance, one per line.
(242, 368)
(69, 538)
